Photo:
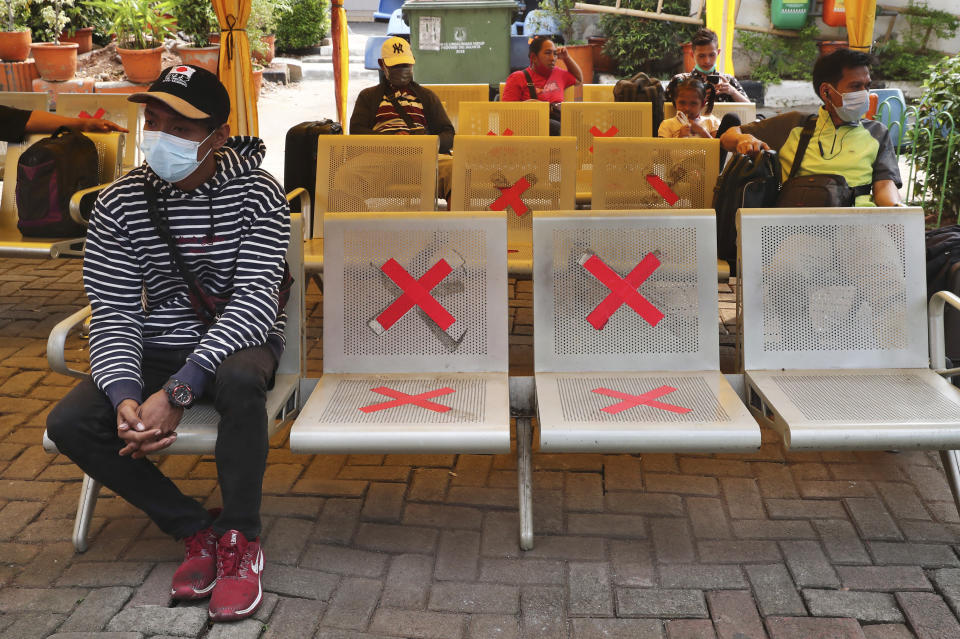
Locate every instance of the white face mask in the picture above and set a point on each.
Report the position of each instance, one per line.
(855, 105)
(170, 157)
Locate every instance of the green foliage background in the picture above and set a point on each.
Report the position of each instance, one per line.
(305, 25)
(651, 46)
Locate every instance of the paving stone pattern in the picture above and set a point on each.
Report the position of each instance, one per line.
(829, 545)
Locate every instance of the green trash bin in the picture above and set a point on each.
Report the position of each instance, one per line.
(787, 14)
(460, 42)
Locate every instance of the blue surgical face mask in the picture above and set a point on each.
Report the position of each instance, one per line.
(705, 71)
(855, 105)
(170, 157)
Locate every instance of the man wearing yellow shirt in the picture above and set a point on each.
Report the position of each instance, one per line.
(842, 143)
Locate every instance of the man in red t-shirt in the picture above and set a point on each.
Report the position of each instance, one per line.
(548, 81)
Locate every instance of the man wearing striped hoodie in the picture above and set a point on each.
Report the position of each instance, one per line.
(202, 209)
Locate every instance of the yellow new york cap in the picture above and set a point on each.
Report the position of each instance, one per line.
(396, 51)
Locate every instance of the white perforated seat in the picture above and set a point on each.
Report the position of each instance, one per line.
(572, 418)
(835, 342)
(415, 337)
(626, 353)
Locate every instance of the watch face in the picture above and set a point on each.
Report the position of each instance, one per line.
(181, 394)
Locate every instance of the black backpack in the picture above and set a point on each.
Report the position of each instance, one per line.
(300, 156)
(642, 88)
(48, 174)
(745, 183)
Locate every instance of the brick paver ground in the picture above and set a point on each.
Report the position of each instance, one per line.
(774, 544)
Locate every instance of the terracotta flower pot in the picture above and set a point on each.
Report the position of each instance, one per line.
(602, 63)
(582, 54)
(83, 37)
(55, 62)
(214, 38)
(257, 82)
(270, 41)
(204, 57)
(14, 45)
(688, 60)
(829, 46)
(141, 66)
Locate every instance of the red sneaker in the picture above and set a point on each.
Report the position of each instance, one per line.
(239, 563)
(197, 575)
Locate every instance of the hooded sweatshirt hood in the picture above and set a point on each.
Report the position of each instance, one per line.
(239, 156)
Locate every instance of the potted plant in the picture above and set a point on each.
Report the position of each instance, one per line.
(581, 52)
(195, 19)
(15, 39)
(56, 62)
(83, 36)
(262, 27)
(140, 26)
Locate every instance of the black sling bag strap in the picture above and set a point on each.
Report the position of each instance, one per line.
(207, 307)
(400, 110)
(805, 136)
(531, 90)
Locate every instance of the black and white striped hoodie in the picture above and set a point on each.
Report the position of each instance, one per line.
(232, 232)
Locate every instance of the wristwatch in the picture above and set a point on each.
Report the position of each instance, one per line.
(179, 393)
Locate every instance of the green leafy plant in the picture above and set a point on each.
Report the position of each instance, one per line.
(776, 58)
(651, 46)
(14, 14)
(940, 158)
(305, 25)
(264, 19)
(195, 18)
(139, 24)
(55, 18)
(910, 57)
(562, 12)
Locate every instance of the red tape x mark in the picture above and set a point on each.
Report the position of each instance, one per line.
(415, 292)
(597, 133)
(510, 196)
(623, 290)
(663, 189)
(507, 131)
(648, 399)
(399, 399)
(96, 116)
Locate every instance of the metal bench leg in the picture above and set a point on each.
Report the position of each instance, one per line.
(525, 480)
(951, 465)
(88, 501)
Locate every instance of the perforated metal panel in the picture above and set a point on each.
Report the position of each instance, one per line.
(495, 118)
(866, 398)
(835, 288)
(746, 111)
(598, 93)
(579, 402)
(26, 100)
(483, 165)
(627, 172)
(375, 173)
(585, 121)
(116, 108)
(466, 403)
(632, 412)
(453, 94)
(359, 337)
(682, 288)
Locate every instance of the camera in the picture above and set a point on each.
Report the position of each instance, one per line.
(713, 78)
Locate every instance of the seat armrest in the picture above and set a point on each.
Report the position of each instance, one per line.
(82, 201)
(305, 208)
(58, 339)
(938, 357)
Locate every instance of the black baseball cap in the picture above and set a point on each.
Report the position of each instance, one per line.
(191, 91)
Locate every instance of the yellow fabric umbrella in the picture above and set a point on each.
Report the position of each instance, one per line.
(341, 57)
(861, 15)
(236, 71)
(721, 16)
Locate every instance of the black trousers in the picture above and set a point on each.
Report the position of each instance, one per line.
(84, 427)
